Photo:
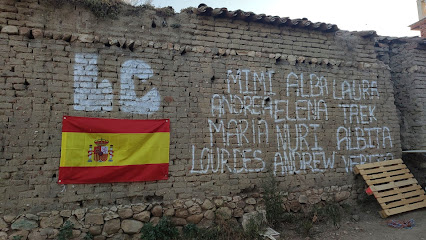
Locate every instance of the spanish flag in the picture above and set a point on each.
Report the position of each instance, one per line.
(96, 150)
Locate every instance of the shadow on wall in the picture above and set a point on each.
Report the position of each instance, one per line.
(416, 162)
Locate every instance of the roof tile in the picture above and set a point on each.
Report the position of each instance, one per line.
(204, 10)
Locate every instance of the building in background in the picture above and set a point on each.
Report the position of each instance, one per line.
(421, 24)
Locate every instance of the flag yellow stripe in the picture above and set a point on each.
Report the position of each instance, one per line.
(129, 148)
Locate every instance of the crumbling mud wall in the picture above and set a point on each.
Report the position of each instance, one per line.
(247, 96)
(408, 65)
(406, 58)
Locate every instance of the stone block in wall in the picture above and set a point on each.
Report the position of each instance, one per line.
(77, 224)
(54, 221)
(207, 205)
(94, 219)
(169, 212)
(340, 196)
(110, 215)
(157, 211)
(195, 219)
(19, 234)
(3, 224)
(143, 216)
(125, 213)
(131, 226)
(224, 213)
(155, 220)
(95, 230)
(112, 226)
(181, 213)
(194, 209)
(37, 33)
(137, 208)
(254, 216)
(20, 224)
(10, 30)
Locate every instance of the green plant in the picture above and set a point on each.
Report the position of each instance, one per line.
(187, 10)
(175, 25)
(348, 209)
(221, 230)
(103, 8)
(273, 201)
(100, 8)
(288, 217)
(332, 211)
(165, 11)
(228, 229)
(304, 227)
(255, 227)
(212, 233)
(148, 6)
(17, 237)
(65, 232)
(164, 230)
(329, 212)
(88, 236)
(190, 231)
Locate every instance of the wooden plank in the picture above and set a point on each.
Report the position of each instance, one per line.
(403, 202)
(396, 191)
(356, 171)
(414, 151)
(389, 179)
(378, 164)
(381, 170)
(383, 214)
(406, 208)
(400, 196)
(386, 174)
(393, 185)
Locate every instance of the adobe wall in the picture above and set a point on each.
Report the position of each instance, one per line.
(245, 99)
(406, 58)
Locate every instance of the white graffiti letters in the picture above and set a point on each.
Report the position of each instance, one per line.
(146, 104)
(90, 95)
(221, 160)
(234, 104)
(376, 137)
(247, 85)
(295, 84)
(292, 127)
(358, 113)
(300, 162)
(357, 135)
(352, 160)
(300, 110)
(358, 90)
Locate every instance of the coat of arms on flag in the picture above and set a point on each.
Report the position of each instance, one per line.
(101, 151)
(96, 150)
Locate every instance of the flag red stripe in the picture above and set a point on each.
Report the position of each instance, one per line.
(109, 174)
(103, 125)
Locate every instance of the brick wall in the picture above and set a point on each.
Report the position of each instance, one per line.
(405, 56)
(423, 31)
(406, 59)
(245, 99)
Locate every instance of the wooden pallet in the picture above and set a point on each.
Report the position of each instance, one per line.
(394, 187)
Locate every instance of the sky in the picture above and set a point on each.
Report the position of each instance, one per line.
(387, 17)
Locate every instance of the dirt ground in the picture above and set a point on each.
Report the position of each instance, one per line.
(369, 226)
